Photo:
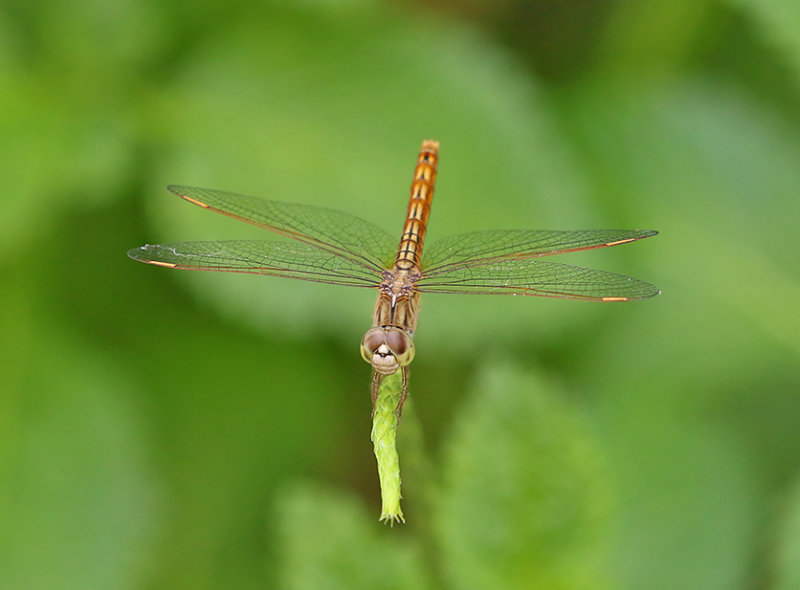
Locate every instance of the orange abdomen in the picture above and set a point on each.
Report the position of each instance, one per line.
(419, 207)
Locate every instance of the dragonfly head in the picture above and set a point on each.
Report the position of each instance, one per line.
(387, 349)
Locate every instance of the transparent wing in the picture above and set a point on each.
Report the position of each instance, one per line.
(338, 233)
(487, 247)
(289, 259)
(539, 278)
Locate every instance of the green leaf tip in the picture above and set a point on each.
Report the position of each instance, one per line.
(384, 441)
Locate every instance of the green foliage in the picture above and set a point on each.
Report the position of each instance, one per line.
(523, 504)
(523, 500)
(147, 417)
(787, 564)
(313, 527)
(77, 500)
(384, 442)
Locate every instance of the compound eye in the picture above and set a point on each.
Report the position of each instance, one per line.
(372, 340)
(401, 345)
(397, 341)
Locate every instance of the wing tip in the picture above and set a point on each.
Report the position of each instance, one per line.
(636, 235)
(142, 254)
(651, 292)
(183, 192)
(136, 253)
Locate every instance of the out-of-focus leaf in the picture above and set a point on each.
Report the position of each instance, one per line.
(328, 542)
(787, 558)
(779, 21)
(77, 498)
(687, 485)
(89, 37)
(719, 175)
(524, 498)
(651, 38)
(68, 108)
(59, 152)
(688, 505)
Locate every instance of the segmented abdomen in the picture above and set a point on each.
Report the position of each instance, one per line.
(419, 207)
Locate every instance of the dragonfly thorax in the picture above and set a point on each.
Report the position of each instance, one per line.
(397, 301)
(399, 281)
(387, 348)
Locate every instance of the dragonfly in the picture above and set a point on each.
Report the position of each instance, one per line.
(340, 249)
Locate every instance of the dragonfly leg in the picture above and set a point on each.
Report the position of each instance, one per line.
(403, 394)
(376, 385)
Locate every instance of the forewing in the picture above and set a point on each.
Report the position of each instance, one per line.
(538, 278)
(333, 231)
(282, 259)
(487, 247)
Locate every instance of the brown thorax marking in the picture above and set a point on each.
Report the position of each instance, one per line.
(397, 302)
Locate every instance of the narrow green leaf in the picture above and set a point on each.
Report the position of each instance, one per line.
(384, 441)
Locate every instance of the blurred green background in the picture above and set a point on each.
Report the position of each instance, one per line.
(174, 430)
